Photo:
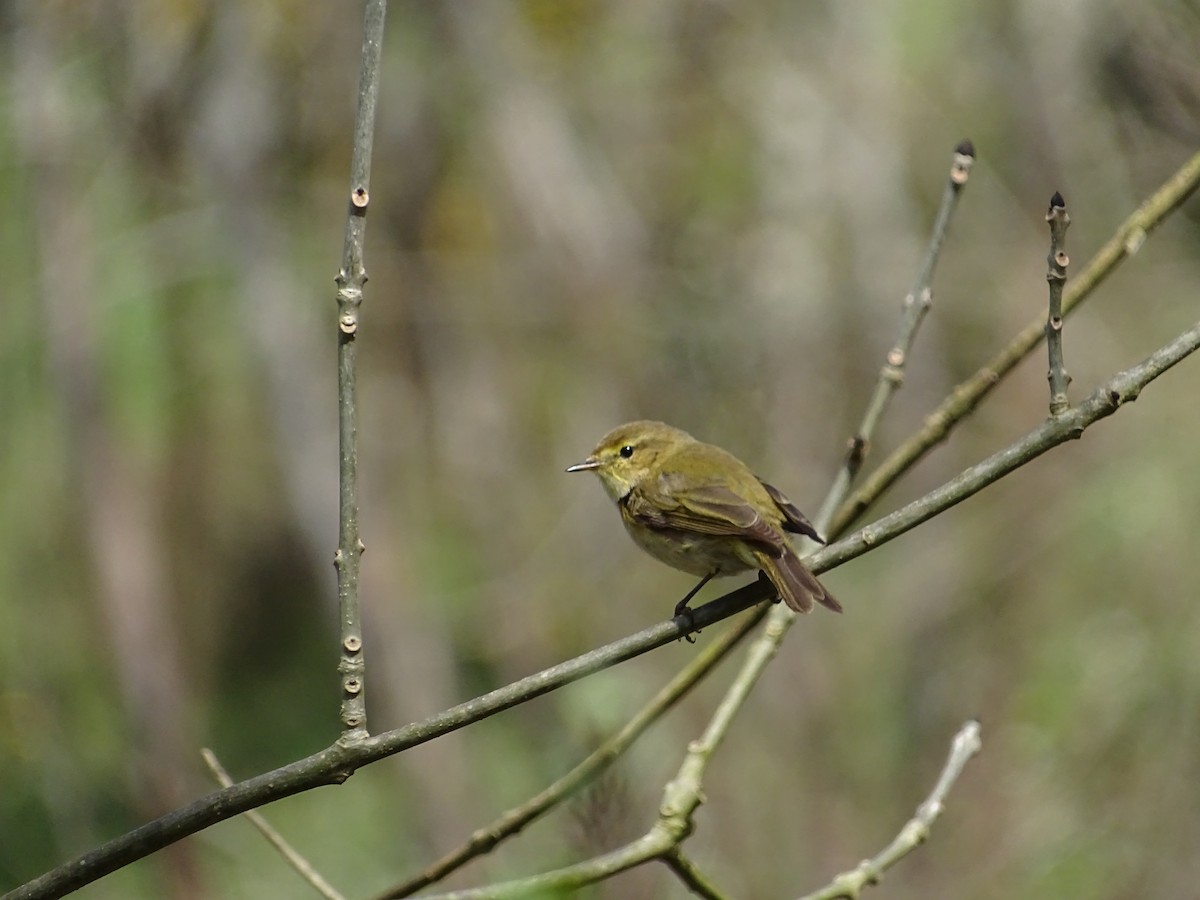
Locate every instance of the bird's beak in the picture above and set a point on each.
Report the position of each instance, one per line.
(590, 463)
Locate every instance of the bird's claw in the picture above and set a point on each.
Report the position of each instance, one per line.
(685, 612)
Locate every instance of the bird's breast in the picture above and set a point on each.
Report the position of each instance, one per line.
(688, 551)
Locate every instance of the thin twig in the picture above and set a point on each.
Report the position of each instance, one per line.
(350, 281)
(293, 856)
(1056, 276)
(848, 885)
(695, 880)
(963, 399)
(916, 304)
(572, 878)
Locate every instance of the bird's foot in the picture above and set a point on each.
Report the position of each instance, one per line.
(685, 612)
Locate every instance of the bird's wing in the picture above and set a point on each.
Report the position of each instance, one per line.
(794, 520)
(710, 509)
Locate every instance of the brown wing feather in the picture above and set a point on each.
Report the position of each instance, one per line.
(794, 520)
(796, 584)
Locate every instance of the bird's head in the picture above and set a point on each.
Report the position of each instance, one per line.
(626, 456)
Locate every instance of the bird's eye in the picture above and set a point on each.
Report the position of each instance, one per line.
(627, 451)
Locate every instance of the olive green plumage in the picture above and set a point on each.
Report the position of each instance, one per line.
(700, 509)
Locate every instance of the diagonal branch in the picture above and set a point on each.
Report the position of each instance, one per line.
(848, 885)
(684, 793)
(695, 880)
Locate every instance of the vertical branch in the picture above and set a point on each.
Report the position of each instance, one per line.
(916, 304)
(1056, 274)
(350, 281)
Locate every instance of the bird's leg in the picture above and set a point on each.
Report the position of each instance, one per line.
(682, 608)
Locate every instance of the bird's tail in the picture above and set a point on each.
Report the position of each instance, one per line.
(796, 585)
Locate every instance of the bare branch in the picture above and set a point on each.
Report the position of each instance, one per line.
(1056, 275)
(652, 846)
(350, 281)
(916, 304)
(695, 880)
(684, 793)
(848, 885)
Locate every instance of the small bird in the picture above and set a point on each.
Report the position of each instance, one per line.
(700, 509)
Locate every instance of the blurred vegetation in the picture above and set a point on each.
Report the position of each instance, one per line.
(584, 212)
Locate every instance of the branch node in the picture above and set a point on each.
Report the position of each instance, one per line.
(1134, 240)
(856, 451)
(960, 168)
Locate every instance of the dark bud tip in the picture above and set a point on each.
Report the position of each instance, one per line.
(965, 148)
(1057, 201)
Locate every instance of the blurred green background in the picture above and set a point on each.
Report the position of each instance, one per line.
(585, 212)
